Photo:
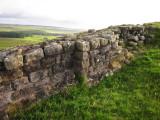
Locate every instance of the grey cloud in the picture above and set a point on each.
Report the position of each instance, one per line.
(12, 15)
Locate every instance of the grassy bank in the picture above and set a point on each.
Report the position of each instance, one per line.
(131, 94)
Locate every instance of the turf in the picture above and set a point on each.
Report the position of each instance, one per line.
(131, 94)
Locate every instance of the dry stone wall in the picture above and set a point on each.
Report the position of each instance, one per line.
(34, 72)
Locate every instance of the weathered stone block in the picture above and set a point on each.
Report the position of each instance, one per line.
(38, 75)
(114, 45)
(111, 38)
(91, 31)
(58, 68)
(5, 100)
(67, 56)
(53, 49)
(92, 62)
(133, 38)
(48, 62)
(103, 42)
(82, 55)
(132, 43)
(82, 46)
(26, 93)
(142, 37)
(68, 46)
(34, 55)
(105, 49)
(5, 87)
(19, 83)
(11, 75)
(57, 78)
(82, 63)
(13, 61)
(94, 52)
(32, 66)
(95, 43)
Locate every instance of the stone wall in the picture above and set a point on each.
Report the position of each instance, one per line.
(34, 72)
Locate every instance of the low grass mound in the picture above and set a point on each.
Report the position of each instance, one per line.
(131, 94)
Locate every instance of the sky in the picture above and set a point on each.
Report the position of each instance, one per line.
(82, 14)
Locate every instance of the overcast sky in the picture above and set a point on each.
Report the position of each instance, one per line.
(82, 14)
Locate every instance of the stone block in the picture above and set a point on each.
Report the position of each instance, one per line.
(92, 62)
(32, 66)
(13, 61)
(142, 37)
(58, 68)
(82, 63)
(5, 87)
(19, 83)
(95, 43)
(67, 56)
(48, 62)
(57, 78)
(27, 93)
(114, 45)
(11, 75)
(82, 55)
(94, 52)
(111, 38)
(133, 38)
(53, 49)
(68, 46)
(83, 46)
(105, 49)
(103, 42)
(33, 55)
(38, 75)
(132, 43)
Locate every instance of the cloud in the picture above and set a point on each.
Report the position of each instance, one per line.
(79, 13)
(11, 15)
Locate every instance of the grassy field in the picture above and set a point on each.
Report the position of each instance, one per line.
(9, 42)
(50, 29)
(131, 94)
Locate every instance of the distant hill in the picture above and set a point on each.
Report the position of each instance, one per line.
(46, 29)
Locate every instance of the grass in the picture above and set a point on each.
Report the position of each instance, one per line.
(10, 42)
(131, 94)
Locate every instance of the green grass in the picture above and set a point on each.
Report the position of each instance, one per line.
(10, 42)
(131, 94)
(155, 42)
